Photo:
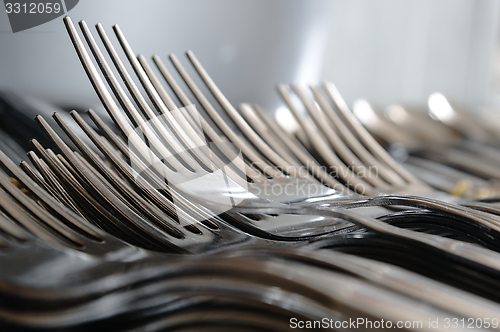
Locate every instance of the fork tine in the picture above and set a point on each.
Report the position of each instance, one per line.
(44, 178)
(155, 98)
(106, 175)
(141, 206)
(301, 152)
(259, 120)
(165, 97)
(62, 213)
(323, 149)
(52, 228)
(235, 219)
(11, 228)
(91, 208)
(193, 128)
(227, 216)
(385, 172)
(363, 134)
(242, 144)
(185, 140)
(267, 135)
(161, 198)
(138, 237)
(96, 80)
(55, 187)
(349, 158)
(206, 127)
(172, 82)
(37, 177)
(111, 106)
(245, 128)
(116, 205)
(166, 117)
(166, 143)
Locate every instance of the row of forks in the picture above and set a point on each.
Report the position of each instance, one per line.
(91, 235)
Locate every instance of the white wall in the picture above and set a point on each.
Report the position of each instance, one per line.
(402, 50)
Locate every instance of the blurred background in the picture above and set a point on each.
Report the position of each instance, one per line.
(385, 51)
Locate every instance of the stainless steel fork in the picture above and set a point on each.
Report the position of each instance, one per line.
(217, 200)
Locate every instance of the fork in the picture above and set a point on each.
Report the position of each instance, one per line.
(246, 276)
(411, 201)
(378, 150)
(129, 254)
(125, 254)
(477, 155)
(327, 122)
(379, 227)
(80, 235)
(412, 185)
(85, 175)
(84, 187)
(186, 134)
(473, 254)
(218, 200)
(260, 225)
(345, 173)
(111, 107)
